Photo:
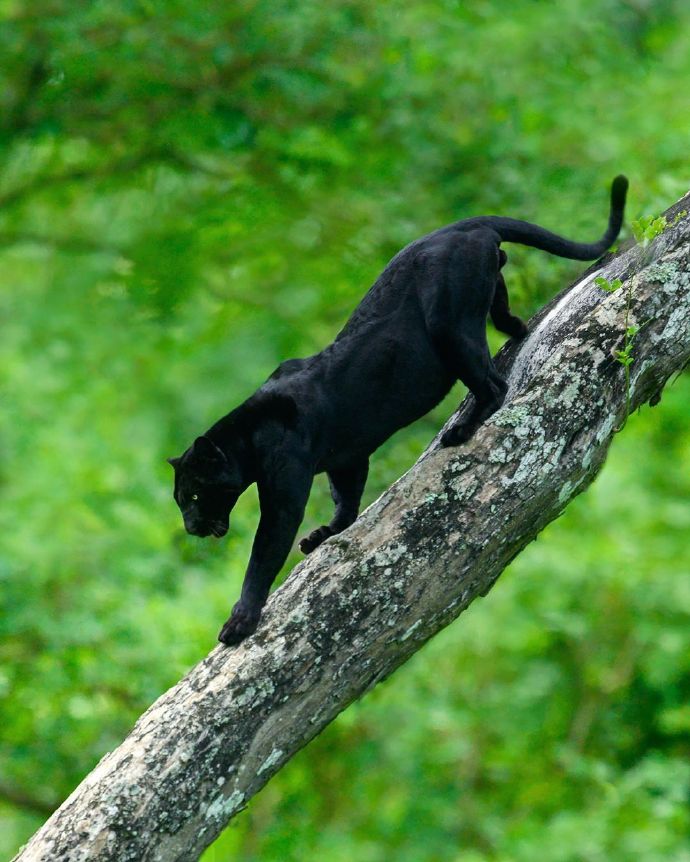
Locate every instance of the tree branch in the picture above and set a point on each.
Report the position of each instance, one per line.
(368, 599)
(69, 244)
(41, 182)
(21, 799)
(126, 165)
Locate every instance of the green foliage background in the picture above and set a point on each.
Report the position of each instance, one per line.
(192, 192)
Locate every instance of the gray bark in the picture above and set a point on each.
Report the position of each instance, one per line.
(366, 600)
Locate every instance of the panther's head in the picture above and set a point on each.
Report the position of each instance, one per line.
(208, 483)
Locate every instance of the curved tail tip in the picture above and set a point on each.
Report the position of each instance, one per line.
(619, 189)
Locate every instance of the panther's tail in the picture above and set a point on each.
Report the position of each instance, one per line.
(513, 230)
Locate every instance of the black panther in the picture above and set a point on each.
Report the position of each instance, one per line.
(419, 329)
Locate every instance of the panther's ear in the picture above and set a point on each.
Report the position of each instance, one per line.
(173, 462)
(207, 450)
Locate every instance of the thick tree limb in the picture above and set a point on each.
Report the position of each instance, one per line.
(21, 799)
(368, 599)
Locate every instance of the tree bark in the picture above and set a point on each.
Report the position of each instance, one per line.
(366, 600)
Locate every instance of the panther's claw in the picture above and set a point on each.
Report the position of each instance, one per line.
(314, 539)
(456, 434)
(241, 623)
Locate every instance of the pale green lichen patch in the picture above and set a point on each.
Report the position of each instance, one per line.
(436, 498)
(512, 417)
(389, 555)
(271, 760)
(412, 629)
(458, 465)
(247, 696)
(552, 452)
(499, 455)
(566, 492)
(662, 272)
(571, 391)
(464, 488)
(223, 806)
(606, 428)
(610, 312)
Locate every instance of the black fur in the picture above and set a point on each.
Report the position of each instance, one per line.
(420, 328)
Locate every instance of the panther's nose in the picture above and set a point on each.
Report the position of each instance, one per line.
(195, 528)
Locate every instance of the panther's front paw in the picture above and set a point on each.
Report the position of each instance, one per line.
(242, 622)
(315, 538)
(458, 433)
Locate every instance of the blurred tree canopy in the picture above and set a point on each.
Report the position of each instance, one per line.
(190, 193)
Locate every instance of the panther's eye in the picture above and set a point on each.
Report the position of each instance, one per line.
(195, 496)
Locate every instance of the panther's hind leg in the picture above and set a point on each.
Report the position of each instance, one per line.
(475, 368)
(457, 298)
(501, 316)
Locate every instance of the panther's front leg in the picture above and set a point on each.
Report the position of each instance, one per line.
(283, 494)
